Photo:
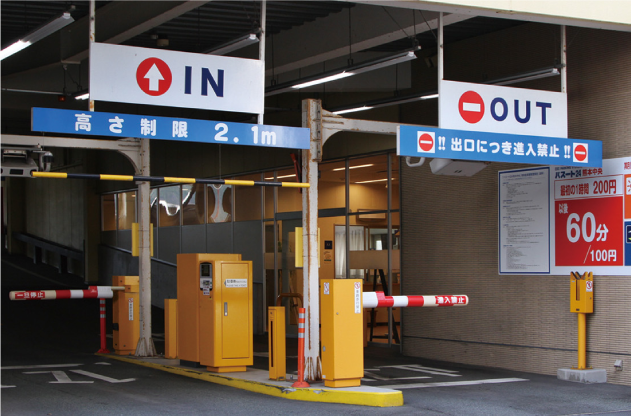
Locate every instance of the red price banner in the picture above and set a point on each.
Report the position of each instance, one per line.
(588, 232)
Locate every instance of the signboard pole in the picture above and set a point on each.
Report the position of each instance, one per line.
(92, 36)
(440, 58)
(262, 49)
(563, 60)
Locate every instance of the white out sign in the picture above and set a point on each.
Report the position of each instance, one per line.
(489, 108)
(176, 79)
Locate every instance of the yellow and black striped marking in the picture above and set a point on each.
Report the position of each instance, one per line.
(164, 179)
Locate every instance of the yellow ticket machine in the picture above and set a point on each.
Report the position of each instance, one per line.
(215, 327)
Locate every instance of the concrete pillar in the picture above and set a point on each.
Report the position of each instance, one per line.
(312, 119)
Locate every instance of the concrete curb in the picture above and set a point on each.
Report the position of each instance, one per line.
(368, 396)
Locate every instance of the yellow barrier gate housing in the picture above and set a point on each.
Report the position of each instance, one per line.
(214, 317)
(342, 341)
(125, 314)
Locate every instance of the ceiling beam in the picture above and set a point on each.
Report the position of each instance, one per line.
(604, 14)
(326, 43)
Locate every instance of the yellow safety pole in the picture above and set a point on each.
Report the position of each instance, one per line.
(582, 341)
(164, 179)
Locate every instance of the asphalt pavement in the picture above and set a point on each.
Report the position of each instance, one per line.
(49, 367)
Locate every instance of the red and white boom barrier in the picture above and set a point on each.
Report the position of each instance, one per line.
(92, 292)
(379, 300)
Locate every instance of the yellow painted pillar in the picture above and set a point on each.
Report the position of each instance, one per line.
(582, 341)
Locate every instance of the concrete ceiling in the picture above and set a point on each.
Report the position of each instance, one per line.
(302, 38)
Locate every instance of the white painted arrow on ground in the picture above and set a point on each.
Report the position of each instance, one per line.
(104, 378)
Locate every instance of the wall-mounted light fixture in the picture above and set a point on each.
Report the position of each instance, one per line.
(233, 45)
(37, 34)
(341, 73)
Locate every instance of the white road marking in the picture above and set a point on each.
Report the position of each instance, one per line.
(28, 367)
(452, 383)
(422, 369)
(104, 378)
(6, 387)
(60, 376)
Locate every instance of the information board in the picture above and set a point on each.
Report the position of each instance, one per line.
(588, 215)
(422, 141)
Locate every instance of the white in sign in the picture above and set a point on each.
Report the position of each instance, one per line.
(358, 297)
(326, 288)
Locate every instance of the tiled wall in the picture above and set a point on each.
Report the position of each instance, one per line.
(450, 239)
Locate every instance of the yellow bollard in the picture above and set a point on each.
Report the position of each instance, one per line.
(582, 341)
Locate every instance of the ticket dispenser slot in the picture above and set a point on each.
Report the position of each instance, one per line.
(206, 278)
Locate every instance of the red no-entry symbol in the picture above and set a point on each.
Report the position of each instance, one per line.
(580, 153)
(154, 76)
(425, 142)
(471, 107)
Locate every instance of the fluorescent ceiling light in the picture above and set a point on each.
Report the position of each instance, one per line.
(375, 180)
(84, 96)
(37, 34)
(528, 76)
(385, 102)
(233, 45)
(354, 167)
(352, 110)
(281, 177)
(322, 80)
(428, 95)
(341, 73)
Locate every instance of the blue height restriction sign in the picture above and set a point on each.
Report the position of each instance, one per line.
(421, 141)
(167, 128)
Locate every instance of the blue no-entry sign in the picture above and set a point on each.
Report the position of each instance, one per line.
(167, 128)
(421, 141)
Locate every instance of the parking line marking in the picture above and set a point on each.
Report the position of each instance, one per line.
(452, 383)
(28, 367)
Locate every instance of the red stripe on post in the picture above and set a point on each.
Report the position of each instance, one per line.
(62, 294)
(416, 301)
(383, 300)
